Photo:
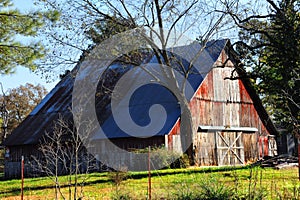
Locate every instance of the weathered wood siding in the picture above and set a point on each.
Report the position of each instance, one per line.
(32, 168)
(205, 149)
(220, 101)
(110, 151)
(13, 162)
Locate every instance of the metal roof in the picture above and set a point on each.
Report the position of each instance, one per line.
(58, 101)
(231, 128)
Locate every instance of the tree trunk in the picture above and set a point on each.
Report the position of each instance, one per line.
(186, 130)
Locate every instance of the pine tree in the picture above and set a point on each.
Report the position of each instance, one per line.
(15, 27)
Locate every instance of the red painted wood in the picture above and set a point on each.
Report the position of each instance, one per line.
(222, 102)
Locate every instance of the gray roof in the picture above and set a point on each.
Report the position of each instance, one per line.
(59, 101)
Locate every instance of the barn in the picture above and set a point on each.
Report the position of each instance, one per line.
(230, 124)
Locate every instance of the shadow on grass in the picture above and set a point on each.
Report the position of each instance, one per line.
(17, 191)
(139, 175)
(132, 175)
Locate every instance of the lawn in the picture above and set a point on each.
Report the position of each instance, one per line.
(247, 183)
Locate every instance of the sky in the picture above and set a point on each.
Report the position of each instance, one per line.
(23, 75)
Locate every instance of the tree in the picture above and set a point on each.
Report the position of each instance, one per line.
(270, 44)
(171, 15)
(78, 27)
(15, 26)
(17, 103)
(62, 153)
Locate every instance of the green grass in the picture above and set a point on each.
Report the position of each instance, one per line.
(170, 184)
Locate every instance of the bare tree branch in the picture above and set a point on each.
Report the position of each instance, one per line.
(128, 13)
(178, 18)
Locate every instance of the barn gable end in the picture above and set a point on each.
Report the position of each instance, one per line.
(228, 128)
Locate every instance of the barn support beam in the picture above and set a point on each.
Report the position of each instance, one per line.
(216, 148)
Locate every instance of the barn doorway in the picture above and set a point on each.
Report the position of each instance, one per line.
(229, 148)
(219, 145)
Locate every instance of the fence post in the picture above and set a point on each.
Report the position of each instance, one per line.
(149, 175)
(22, 177)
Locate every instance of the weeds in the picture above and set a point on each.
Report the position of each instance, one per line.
(209, 188)
(256, 191)
(214, 189)
(186, 184)
(121, 196)
(291, 193)
(118, 176)
(184, 193)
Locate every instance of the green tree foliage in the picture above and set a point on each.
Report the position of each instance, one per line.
(270, 45)
(16, 25)
(106, 27)
(18, 103)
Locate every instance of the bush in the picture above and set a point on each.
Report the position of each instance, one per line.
(181, 162)
(163, 158)
(118, 176)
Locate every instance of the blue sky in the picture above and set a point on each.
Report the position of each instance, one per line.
(23, 75)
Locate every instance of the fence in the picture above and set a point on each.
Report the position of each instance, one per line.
(250, 183)
(213, 182)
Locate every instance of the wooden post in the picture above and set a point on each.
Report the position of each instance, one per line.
(22, 177)
(149, 175)
(216, 148)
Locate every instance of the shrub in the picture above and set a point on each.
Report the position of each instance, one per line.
(167, 159)
(118, 176)
(181, 162)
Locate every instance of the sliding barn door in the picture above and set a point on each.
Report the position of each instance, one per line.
(229, 148)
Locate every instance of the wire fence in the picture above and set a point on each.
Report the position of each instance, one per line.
(251, 183)
(191, 183)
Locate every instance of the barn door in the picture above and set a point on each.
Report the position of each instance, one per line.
(229, 148)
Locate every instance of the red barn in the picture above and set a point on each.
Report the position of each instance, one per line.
(231, 125)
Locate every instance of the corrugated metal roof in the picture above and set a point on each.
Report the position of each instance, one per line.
(224, 128)
(59, 100)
